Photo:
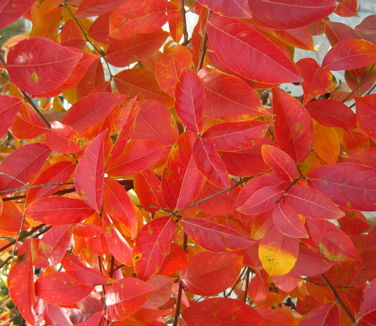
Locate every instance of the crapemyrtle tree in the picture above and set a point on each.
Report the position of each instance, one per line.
(180, 162)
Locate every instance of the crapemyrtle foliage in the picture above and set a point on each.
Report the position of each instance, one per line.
(153, 175)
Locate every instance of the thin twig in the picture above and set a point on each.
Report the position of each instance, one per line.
(248, 272)
(236, 283)
(204, 41)
(37, 186)
(87, 39)
(6, 261)
(369, 92)
(35, 108)
(13, 178)
(185, 31)
(11, 243)
(293, 183)
(360, 84)
(18, 235)
(180, 289)
(28, 99)
(338, 298)
(238, 183)
(103, 294)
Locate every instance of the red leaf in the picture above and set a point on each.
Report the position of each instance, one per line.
(64, 139)
(367, 309)
(317, 80)
(350, 54)
(82, 273)
(280, 162)
(138, 155)
(148, 189)
(22, 165)
(21, 283)
(287, 221)
(89, 175)
(215, 237)
(293, 125)
(229, 98)
(56, 173)
(126, 297)
(122, 126)
(236, 8)
(363, 156)
(38, 65)
(312, 203)
(60, 289)
(325, 315)
(118, 206)
(91, 109)
(121, 53)
(154, 123)
(136, 17)
(336, 245)
(11, 219)
(95, 319)
(89, 8)
(310, 263)
(59, 210)
(366, 29)
(331, 113)
(278, 253)
(261, 201)
(235, 136)
(238, 46)
(366, 114)
(347, 8)
(162, 294)
(349, 185)
(190, 100)
(152, 245)
(209, 273)
(221, 312)
(209, 162)
(181, 179)
(283, 14)
(9, 106)
(54, 243)
(141, 83)
(169, 67)
(11, 10)
(117, 245)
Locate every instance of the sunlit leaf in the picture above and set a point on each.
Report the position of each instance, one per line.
(39, 65)
(152, 245)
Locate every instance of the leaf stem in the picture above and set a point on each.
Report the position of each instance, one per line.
(36, 186)
(338, 298)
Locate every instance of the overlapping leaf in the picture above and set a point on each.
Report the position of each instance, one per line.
(152, 245)
(247, 47)
(32, 63)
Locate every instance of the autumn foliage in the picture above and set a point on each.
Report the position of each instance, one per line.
(152, 177)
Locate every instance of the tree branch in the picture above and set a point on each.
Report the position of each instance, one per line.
(180, 289)
(36, 186)
(248, 272)
(87, 39)
(204, 41)
(338, 298)
(28, 99)
(185, 31)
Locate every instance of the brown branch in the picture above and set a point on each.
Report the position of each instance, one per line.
(6, 261)
(238, 183)
(236, 283)
(338, 298)
(36, 186)
(185, 31)
(128, 185)
(293, 183)
(362, 81)
(11, 243)
(180, 289)
(248, 272)
(28, 99)
(204, 41)
(87, 39)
